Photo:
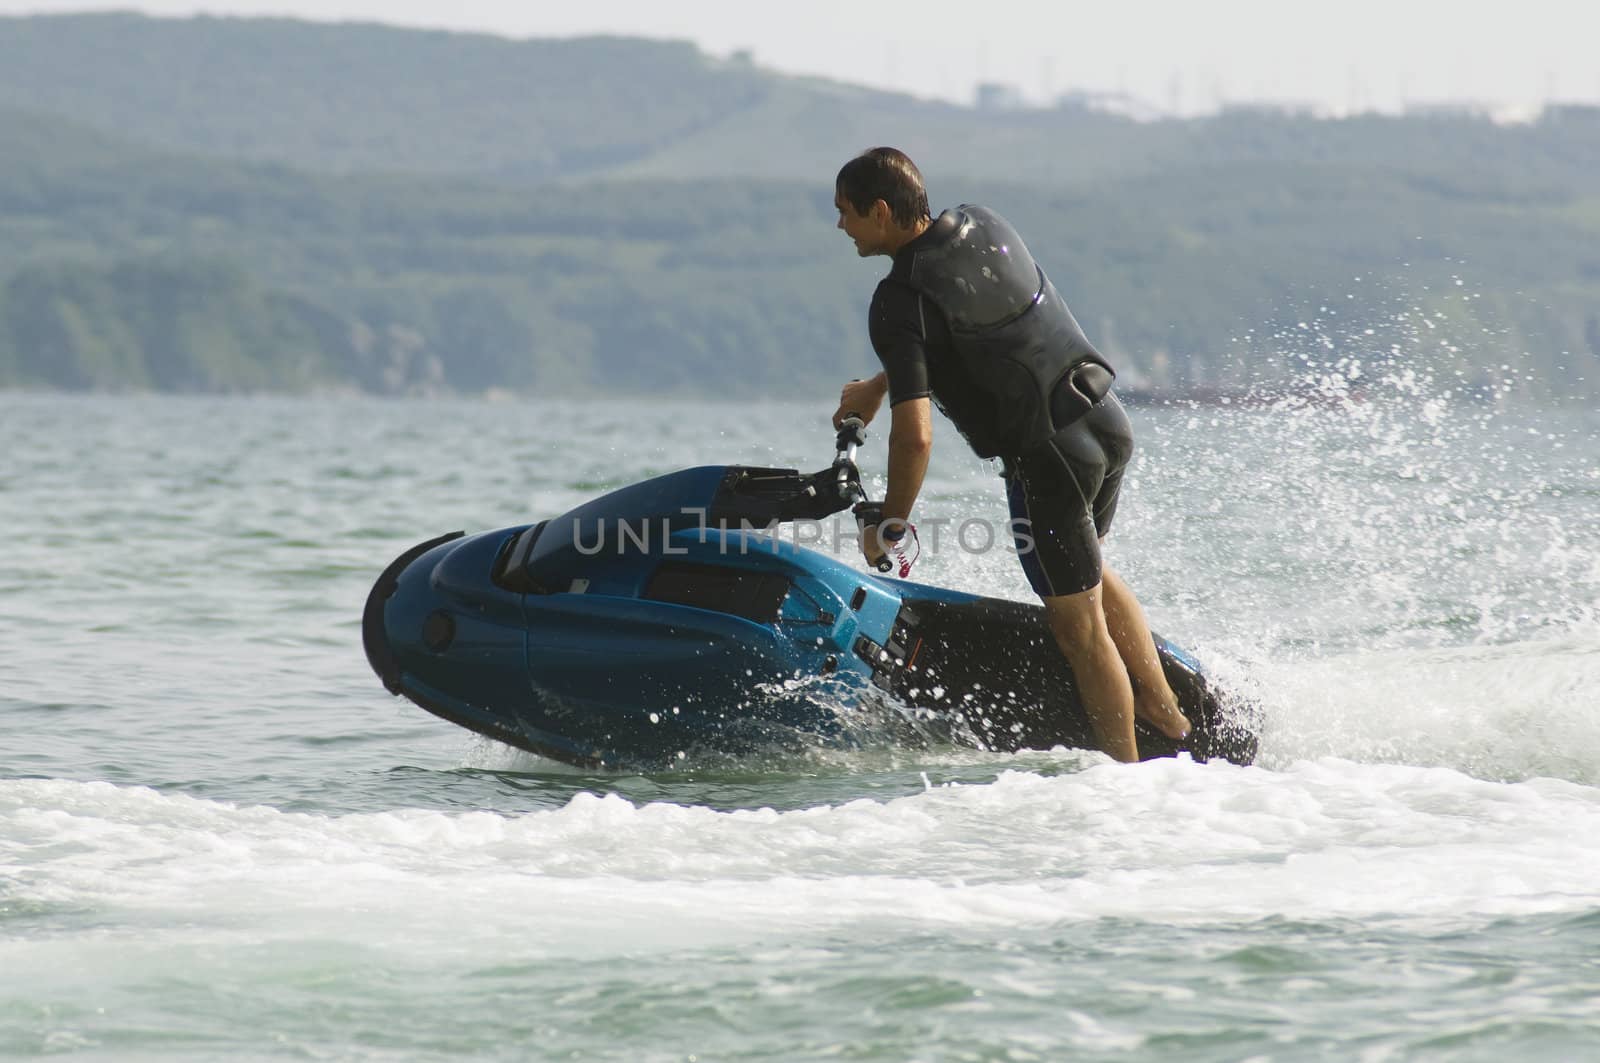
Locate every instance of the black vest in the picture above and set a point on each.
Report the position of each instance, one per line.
(1017, 341)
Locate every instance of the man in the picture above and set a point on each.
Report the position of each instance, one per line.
(965, 318)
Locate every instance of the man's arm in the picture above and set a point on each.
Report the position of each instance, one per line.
(910, 443)
(894, 322)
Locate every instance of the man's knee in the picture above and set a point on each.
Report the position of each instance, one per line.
(1077, 620)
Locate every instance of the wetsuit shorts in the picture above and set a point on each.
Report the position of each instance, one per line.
(1063, 495)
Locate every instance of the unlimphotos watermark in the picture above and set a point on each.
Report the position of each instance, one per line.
(974, 535)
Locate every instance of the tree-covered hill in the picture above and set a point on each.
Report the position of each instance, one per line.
(343, 98)
(245, 204)
(130, 267)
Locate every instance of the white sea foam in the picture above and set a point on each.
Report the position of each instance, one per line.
(1167, 843)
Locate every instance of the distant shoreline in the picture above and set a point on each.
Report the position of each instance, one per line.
(1256, 398)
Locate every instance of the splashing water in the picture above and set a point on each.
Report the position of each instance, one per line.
(1412, 577)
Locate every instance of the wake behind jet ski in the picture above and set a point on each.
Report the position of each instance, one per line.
(671, 619)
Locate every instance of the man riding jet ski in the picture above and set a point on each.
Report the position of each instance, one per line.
(967, 319)
(670, 620)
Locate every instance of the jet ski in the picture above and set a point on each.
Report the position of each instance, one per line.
(671, 620)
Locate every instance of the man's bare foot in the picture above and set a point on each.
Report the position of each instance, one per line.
(1161, 714)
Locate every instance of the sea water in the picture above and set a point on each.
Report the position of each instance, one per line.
(220, 838)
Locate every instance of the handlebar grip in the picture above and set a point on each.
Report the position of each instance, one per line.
(852, 430)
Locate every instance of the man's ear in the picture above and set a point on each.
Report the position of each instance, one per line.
(881, 213)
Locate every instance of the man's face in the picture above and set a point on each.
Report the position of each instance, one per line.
(867, 231)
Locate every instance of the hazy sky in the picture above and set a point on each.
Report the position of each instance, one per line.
(1338, 53)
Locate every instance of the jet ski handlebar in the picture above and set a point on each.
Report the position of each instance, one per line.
(853, 434)
(761, 495)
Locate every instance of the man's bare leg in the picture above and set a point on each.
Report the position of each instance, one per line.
(1078, 622)
(1153, 699)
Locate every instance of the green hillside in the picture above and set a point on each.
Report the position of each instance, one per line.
(342, 98)
(346, 98)
(287, 206)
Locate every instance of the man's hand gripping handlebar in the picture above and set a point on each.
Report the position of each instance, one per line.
(869, 515)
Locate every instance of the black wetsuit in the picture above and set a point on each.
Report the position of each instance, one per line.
(1063, 491)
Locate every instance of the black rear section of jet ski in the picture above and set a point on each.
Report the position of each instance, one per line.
(992, 669)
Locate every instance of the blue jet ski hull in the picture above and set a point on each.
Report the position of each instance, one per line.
(666, 621)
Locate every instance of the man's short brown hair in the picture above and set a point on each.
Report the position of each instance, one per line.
(887, 174)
